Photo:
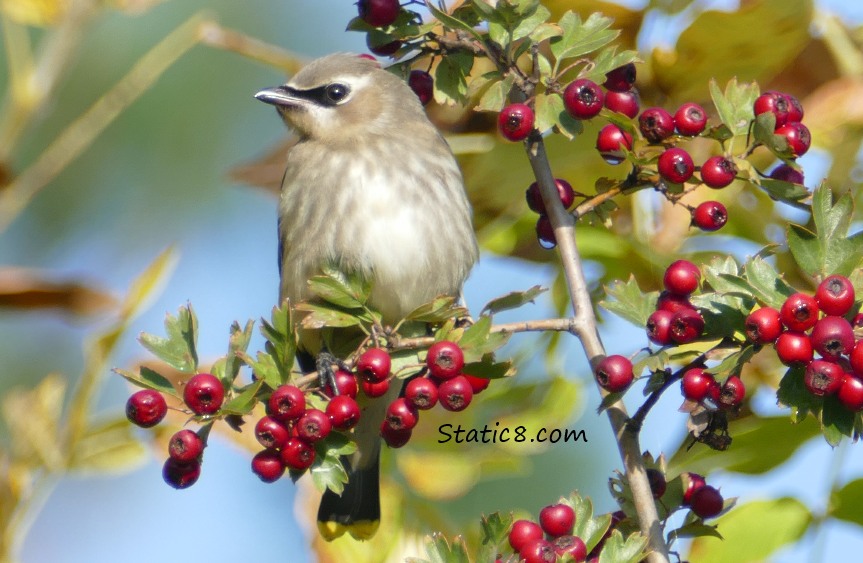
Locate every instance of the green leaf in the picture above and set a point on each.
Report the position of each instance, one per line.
(629, 302)
(439, 550)
(836, 421)
(735, 105)
(451, 21)
(333, 290)
(494, 536)
(782, 190)
(328, 473)
(606, 60)
(545, 31)
(265, 369)
(487, 12)
(768, 285)
(320, 317)
(846, 502)
(148, 284)
(495, 98)
(441, 309)
(512, 300)
(281, 342)
(528, 25)
(238, 342)
(588, 528)
(488, 369)
(244, 402)
(178, 350)
(451, 78)
(618, 550)
(582, 38)
(149, 379)
(733, 363)
(693, 530)
(108, 446)
(780, 522)
(714, 270)
(804, 246)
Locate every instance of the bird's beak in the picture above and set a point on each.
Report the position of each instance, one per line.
(278, 96)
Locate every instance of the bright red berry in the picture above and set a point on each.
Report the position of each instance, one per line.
(583, 99)
(445, 359)
(477, 384)
(730, 394)
(401, 415)
(795, 108)
(395, 438)
(835, 295)
(297, 454)
(773, 102)
(538, 551)
(656, 124)
(181, 475)
(422, 84)
(545, 232)
(668, 301)
(314, 426)
(185, 446)
(455, 394)
(534, 197)
(686, 326)
(823, 378)
(146, 408)
(379, 13)
(557, 519)
(832, 337)
(763, 325)
(271, 433)
(422, 393)
(798, 137)
(572, 546)
(718, 171)
(675, 165)
(799, 312)
(612, 142)
(374, 365)
(375, 389)
(794, 348)
(344, 412)
(692, 482)
(659, 327)
(268, 466)
(522, 533)
(850, 394)
(706, 502)
(710, 216)
(681, 277)
(614, 373)
(690, 119)
(515, 122)
(204, 394)
(384, 50)
(623, 102)
(786, 173)
(621, 78)
(286, 404)
(346, 384)
(696, 384)
(657, 482)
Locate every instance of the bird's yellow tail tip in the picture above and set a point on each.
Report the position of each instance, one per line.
(359, 530)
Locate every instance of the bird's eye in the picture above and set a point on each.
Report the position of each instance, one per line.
(337, 92)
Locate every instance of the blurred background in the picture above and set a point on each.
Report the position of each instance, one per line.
(175, 168)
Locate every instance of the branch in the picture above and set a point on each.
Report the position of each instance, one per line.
(542, 325)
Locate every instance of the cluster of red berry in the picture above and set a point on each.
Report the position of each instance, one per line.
(550, 539)
(676, 320)
(544, 230)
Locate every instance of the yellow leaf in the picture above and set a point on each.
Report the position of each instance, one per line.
(422, 470)
(35, 12)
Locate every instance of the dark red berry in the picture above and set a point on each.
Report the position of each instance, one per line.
(835, 295)
(538, 551)
(706, 502)
(763, 325)
(856, 358)
(384, 50)
(534, 197)
(571, 546)
(696, 384)
(851, 393)
(857, 321)
(612, 142)
(375, 389)
(692, 482)
(271, 433)
(730, 394)
(346, 384)
(718, 171)
(557, 519)
(344, 412)
(832, 337)
(374, 365)
(690, 119)
(401, 415)
(379, 13)
(623, 102)
(181, 475)
(614, 373)
(445, 359)
(668, 301)
(794, 348)
(422, 393)
(657, 482)
(795, 108)
(515, 122)
(204, 394)
(621, 78)
(268, 466)
(799, 312)
(146, 408)
(545, 232)
(286, 404)
(185, 446)
(823, 378)
(297, 454)
(686, 326)
(656, 124)
(395, 438)
(675, 165)
(659, 327)
(798, 137)
(455, 394)
(786, 173)
(583, 99)
(681, 277)
(313, 426)
(710, 216)
(422, 84)
(773, 102)
(522, 533)
(477, 384)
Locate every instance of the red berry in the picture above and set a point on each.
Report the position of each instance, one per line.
(538, 551)
(571, 546)
(181, 475)
(623, 102)
(851, 393)
(832, 337)
(656, 124)
(455, 394)
(375, 389)
(545, 232)
(346, 384)
(681, 277)
(763, 325)
(856, 358)
(696, 384)
(384, 50)
(422, 393)
(614, 373)
(730, 394)
(786, 173)
(718, 171)
(297, 454)
(621, 78)
(692, 482)
(795, 108)
(344, 412)
(675, 165)
(268, 466)
(313, 426)
(823, 378)
(522, 533)
(668, 301)
(286, 404)
(857, 321)
(422, 84)
(710, 216)
(799, 312)
(271, 433)
(515, 122)
(379, 13)
(204, 394)
(690, 119)
(706, 502)
(146, 408)
(775, 103)
(374, 365)
(686, 326)
(659, 327)
(534, 197)
(657, 482)
(394, 438)
(798, 137)
(794, 348)
(583, 99)
(185, 446)
(401, 415)
(557, 519)
(477, 384)
(835, 295)
(612, 142)
(445, 359)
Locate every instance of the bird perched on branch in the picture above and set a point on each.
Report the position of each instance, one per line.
(371, 188)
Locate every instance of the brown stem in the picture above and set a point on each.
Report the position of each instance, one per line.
(542, 325)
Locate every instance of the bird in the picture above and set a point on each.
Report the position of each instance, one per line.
(371, 188)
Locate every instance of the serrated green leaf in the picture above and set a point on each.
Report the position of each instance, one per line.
(244, 402)
(768, 285)
(334, 291)
(328, 473)
(486, 12)
(281, 341)
(547, 108)
(618, 550)
(494, 535)
(714, 270)
(694, 530)
(512, 300)
(178, 349)
(450, 85)
(439, 550)
(782, 190)
(531, 23)
(107, 446)
(488, 369)
(837, 421)
(545, 31)
(495, 97)
(588, 528)
(319, 317)
(149, 379)
(629, 301)
(607, 60)
(338, 444)
(499, 33)
(804, 246)
(264, 368)
(440, 309)
(238, 342)
(735, 105)
(733, 363)
(452, 22)
(582, 38)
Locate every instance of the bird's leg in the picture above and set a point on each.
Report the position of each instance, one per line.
(327, 364)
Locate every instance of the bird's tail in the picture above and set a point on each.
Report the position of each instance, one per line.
(358, 509)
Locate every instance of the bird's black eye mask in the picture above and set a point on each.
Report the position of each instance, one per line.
(329, 96)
